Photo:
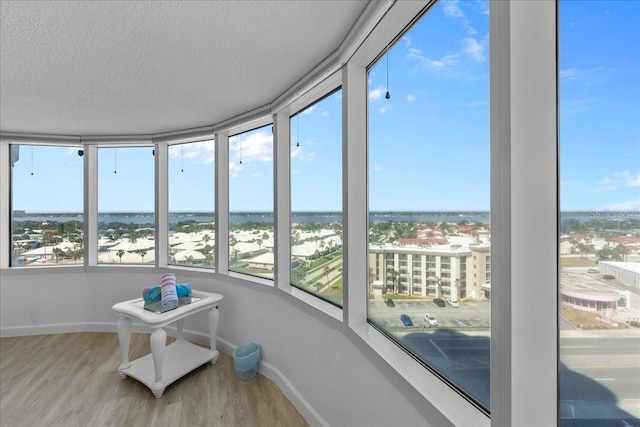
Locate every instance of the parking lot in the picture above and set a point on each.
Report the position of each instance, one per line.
(469, 315)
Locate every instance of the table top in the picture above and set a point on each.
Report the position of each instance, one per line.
(135, 308)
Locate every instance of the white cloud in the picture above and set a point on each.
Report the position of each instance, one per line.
(474, 49)
(309, 110)
(411, 98)
(618, 180)
(295, 150)
(376, 94)
(433, 64)
(451, 9)
(588, 77)
(568, 73)
(256, 146)
(630, 179)
(576, 106)
(629, 205)
(203, 151)
(376, 168)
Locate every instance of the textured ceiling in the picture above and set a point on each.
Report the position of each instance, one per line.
(144, 67)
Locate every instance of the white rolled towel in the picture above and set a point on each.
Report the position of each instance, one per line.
(168, 289)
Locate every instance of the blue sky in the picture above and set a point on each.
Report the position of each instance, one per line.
(429, 143)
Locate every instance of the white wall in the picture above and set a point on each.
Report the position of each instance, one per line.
(331, 377)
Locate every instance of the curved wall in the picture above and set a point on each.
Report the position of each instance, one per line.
(329, 374)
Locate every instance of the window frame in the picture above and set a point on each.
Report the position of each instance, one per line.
(93, 197)
(160, 148)
(223, 191)
(6, 194)
(319, 93)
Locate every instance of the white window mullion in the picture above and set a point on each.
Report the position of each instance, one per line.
(282, 200)
(5, 212)
(222, 202)
(355, 204)
(534, 233)
(162, 204)
(91, 204)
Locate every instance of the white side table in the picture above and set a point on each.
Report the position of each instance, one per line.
(166, 364)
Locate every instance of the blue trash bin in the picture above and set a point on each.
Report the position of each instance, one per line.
(246, 358)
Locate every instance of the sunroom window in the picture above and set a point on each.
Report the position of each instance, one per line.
(191, 172)
(428, 177)
(316, 198)
(47, 221)
(599, 241)
(251, 221)
(126, 205)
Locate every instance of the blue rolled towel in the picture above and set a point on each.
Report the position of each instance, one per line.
(154, 293)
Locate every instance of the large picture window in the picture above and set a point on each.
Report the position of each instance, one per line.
(316, 198)
(251, 203)
(47, 222)
(428, 174)
(192, 204)
(599, 242)
(126, 211)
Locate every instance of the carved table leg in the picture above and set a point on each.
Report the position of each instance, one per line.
(180, 328)
(158, 342)
(124, 336)
(214, 315)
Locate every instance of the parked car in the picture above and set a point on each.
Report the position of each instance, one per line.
(453, 303)
(593, 271)
(430, 320)
(608, 277)
(439, 302)
(406, 320)
(389, 302)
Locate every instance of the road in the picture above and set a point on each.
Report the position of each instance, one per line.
(599, 370)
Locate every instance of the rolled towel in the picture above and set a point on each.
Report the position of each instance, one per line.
(168, 289)
(168, 279)
(169, 295)
(153, 293)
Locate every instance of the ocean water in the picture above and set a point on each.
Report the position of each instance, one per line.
(243, 217)
(297, 217)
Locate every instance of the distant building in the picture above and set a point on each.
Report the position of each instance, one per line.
(626, 272)
(445, 271)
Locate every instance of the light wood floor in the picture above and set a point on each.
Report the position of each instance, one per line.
(72, 380)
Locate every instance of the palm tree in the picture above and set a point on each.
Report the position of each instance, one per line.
(394, 277)
(438, 287)
(206, 239)
(120, 254)
(326, 273)
(58, 253)
(620, 252)
(142, 253)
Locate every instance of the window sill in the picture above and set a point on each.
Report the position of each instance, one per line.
(447, 400)
(315, 302)
(253, 279)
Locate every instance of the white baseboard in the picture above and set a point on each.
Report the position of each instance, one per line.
(224, 346)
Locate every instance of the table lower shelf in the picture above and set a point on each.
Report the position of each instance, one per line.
(180, 358)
